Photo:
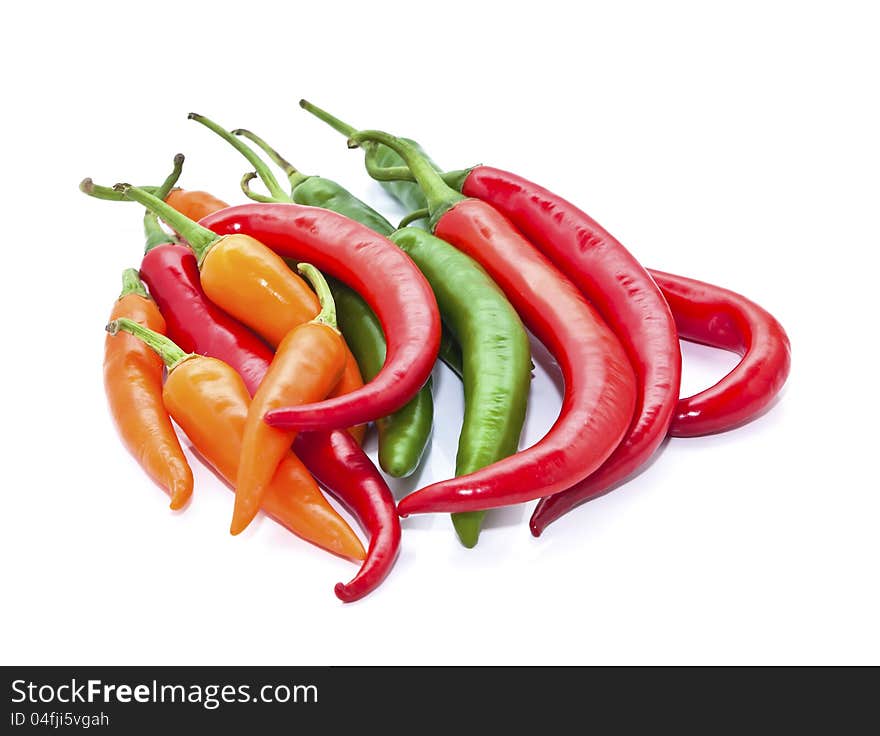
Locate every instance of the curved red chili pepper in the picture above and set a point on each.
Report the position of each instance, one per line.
(721, 318)
(382, 273)
(599, 382)
(333, 464)
(628, 300)
(335, 458)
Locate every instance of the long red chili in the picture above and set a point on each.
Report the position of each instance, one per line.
(384, 275)
(721, 318)
(599, 382)
(335, 464)
(627, 298)
(334, 457)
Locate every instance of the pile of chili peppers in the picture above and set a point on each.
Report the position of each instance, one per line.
(273, 333)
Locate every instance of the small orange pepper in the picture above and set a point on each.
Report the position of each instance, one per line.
(133, 383)
(307, 365)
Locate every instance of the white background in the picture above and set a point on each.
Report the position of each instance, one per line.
(739, 146)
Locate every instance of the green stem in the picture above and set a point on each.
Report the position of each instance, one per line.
(347, 130)
(454, 179)
(294, 176)
(199, 238)
(245, 185)
(153, 231)
(413, 216)
(439, 195)
(170, 353)
(327, 315)
(87, 186)
(239, 145)
(132, 284)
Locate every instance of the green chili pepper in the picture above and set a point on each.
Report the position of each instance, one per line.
(496, 357)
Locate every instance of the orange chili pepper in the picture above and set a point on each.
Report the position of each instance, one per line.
(133, 383)
(308, 363)
(210, 402)
(253, 284)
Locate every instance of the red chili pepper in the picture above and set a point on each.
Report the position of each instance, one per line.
(599, 381)
(335, 464)
(335, 458)
(628, 300)
(721, 318)
(383, 274)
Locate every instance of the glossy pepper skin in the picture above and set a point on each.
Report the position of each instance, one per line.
(625, 295)
(340, 464)
(721, 318)
(599, 382)
(133, 384)
(307, 365)
(404, 434)
(496, 366)
(392, 285)
(210, 403)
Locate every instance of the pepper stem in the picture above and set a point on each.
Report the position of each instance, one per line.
(153, 231)
(454, 179)
(412, 217)
(278, 194)
(327, 315)
(245, 185)
(87, 186)
(439, 195)
(200, 239)
(294, 176)
(170, 353)
(347, 130)
(132, 284)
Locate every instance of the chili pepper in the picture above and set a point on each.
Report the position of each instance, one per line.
(600, 385)
(496, 357)
(394, 288)
(714, 316)
(172, 274)
(307, 365)
(340, 464)
(133, 383)
(404, 434)
(209, 401)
